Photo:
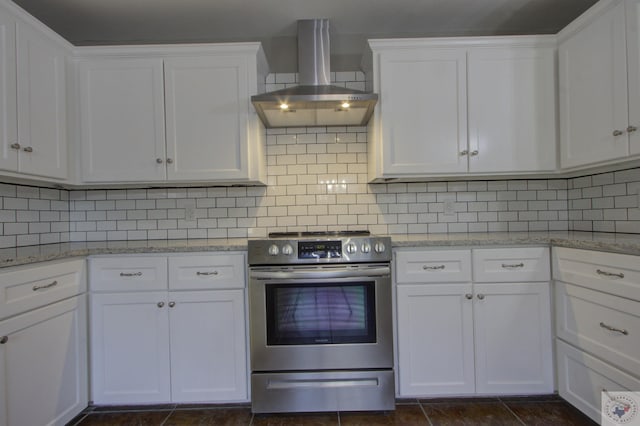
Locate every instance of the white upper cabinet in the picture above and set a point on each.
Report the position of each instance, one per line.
(9, 104)
(207, 118)
(463, 106)
(171, 114)
(422, 115)
(633, 64)
(33, 118)
(599, 85)
(593, 91)
(122, 119)
(512, 109)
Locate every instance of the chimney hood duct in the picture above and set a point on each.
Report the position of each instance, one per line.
(314, 102)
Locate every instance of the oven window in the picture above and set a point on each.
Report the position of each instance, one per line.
(320, 313)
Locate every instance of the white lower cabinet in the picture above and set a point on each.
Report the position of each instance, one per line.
(463, 338)
(43, 348)
(597, 324)
(154, 345)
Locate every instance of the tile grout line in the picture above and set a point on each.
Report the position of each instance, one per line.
(511, 411)
(424, 412)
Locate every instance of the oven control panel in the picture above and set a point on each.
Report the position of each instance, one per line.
(319, 249)
(279, 251)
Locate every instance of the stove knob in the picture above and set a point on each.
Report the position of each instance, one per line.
(366, 248)
(379, 247)
(351, 248)
(274, 250)
(287, 250)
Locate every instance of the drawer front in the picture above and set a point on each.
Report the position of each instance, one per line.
(613, 273)
(511, 264)
(604, 325)
(582, 378)
(210, 271)
(27, 287)
(128, 273)
(435, 266)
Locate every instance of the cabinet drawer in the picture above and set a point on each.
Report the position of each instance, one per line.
(604, 325)
(128, 273)
(433, 266)
(613, 273)
(209, 271)
(582, 378)
(27, 287)
(511, 264)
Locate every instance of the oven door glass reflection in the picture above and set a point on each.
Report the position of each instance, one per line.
(313, 314)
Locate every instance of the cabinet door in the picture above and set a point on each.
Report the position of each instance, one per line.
(208, 350)
(207, 112)
(8, 107)
(435, 339)
(423, 106)
(593, 92)
(43, 365)
(633, 61)
(42, 122)
(130, 348)
(512, 109)
(512, 324)
(122, 120)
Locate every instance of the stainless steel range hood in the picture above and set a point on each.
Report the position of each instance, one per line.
(315, 102)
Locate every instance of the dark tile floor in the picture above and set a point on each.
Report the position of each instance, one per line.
(543, 411)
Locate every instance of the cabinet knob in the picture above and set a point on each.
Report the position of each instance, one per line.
(631, 129)
(618, 133)
(469, 296)
(474, 153)
(15, 145)
(3, 340)
(172, 304)
(169, 161)
(159, 160)
(481, 296)
(27, 149)
(160, 304)
(463, 153)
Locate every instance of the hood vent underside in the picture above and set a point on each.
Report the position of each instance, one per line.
(315, 102)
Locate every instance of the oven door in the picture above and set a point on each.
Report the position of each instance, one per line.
(320, 317)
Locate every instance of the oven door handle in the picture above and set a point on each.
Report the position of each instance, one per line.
(322, 274)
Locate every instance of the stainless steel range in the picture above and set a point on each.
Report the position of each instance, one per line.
(321, 322)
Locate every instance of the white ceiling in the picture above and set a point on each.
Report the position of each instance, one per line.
(273, 22)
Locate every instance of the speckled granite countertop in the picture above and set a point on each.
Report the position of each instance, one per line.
(618, 243)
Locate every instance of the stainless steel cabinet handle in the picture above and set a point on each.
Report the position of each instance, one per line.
(609, 274)
(130, 274)
(631, 129)
(159, 160)
(469, 296)
(3, 340)
(172, 304)
(28, 149)
(618, 133)
(42, 287)
(160, 304)
(207, 273)
(169, 161)
(474, 153)
(481, 296)
(15, 145)
(513, 265)
(433, 268)
(463, 153)
(617, 330)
